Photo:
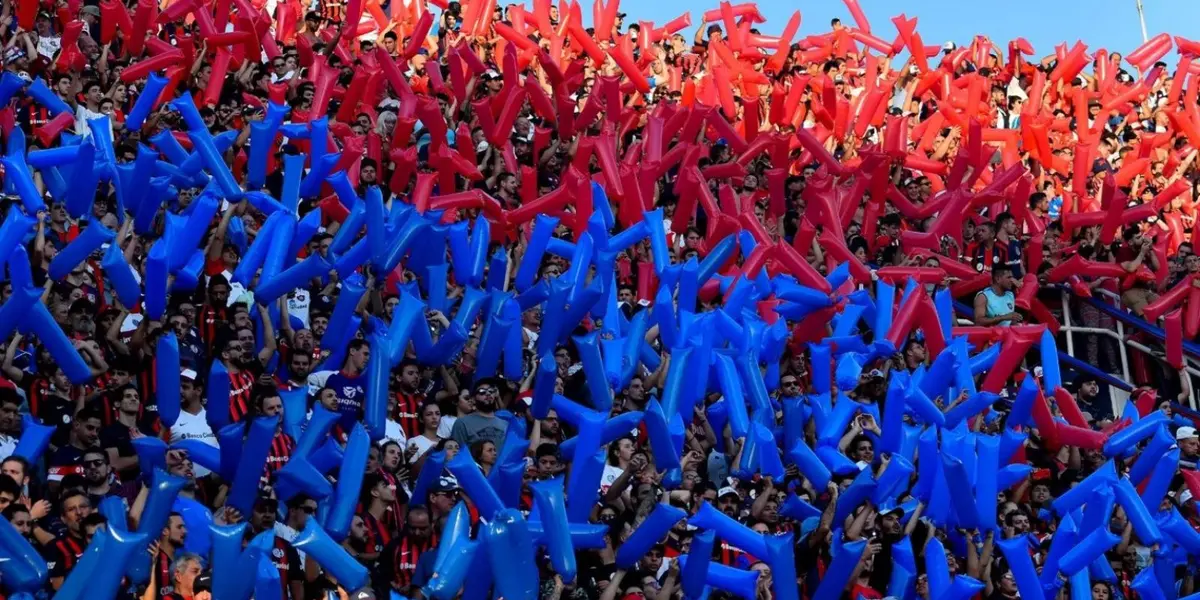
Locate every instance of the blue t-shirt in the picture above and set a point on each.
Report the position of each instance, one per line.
(351, 391)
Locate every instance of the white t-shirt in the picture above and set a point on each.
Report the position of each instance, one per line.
(446, 426)
(393, 433)
(610, 475)
(297, 304)
(423, 445)
(193, 427)
(7, 445)
(48, 46)
(82, 115)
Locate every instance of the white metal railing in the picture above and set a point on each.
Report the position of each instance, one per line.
(1120, 397)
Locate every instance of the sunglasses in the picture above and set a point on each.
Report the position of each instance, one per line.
(92, 464)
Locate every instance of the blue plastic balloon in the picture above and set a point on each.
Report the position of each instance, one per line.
(262, 141)
(315, 543)
(651, 530)
(166, 373)
(164, 488)
(1150, 455)
(1147, 586)
(378, 376)
(693, 573)
(24, 569)
(16, 226)
(35, 438)
(89, 240)
(296, 276)
(1087, 549)
(1139, 514)
(47, 98)
(837, 576)
(434, 463)
(42, 324)
(1016, 553)
(350, 477)
(509, 544)
(729, 530)
(99, 571)
(1160, 480)
(548, 499)
(471, 479)
(1126, 438)
(217, 392)
(736, 581)
(251, 464)
(146, 100)
(10, 84)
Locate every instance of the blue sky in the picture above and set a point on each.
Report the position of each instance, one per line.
(1111, 24)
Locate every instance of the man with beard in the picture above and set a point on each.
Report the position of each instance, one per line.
(10, 422)
(409, 399)
(101, 482)
(231, 353)
(214, 313)
(299, 368)
(483, 424)
(63, 553)
(192, 423)
(285, 557)
(399, 560)
(170, 542)
(68, 460)
(321, 585)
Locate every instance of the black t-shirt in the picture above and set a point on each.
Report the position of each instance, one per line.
(120, 436)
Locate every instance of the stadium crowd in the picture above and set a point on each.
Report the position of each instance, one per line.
(860, 153)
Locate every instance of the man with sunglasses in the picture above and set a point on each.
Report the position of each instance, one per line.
(483, 424)
(101, 482)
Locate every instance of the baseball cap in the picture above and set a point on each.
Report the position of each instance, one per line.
(1185, 433)
(363, 594)
(90, 10)
(445, 484)
(728, 491)
(188, 374)
(949, 46)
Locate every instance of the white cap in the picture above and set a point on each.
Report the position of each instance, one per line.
(727, 490)
(188, 374)
(1185, 433)
(951, 46)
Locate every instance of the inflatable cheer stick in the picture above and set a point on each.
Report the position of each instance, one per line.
(506, 539)
(24, 569)
(729, 530)
(316, 544)
(164, 488)
(79, 249)
(656, 526)
(250, 465)
(43, 325)
(839, 571)
(35, 438)
(1139, 514)
(549, 502)
(98, 572)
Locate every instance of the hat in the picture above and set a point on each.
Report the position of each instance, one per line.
(363, 594)
(888, 509)
(188, 374)
(445, 484)
(1185, 433)
(949, 46)
(203, 582)
(728, 491)
(491, 75)
(90, 10)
